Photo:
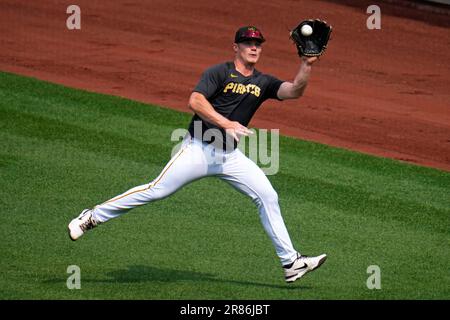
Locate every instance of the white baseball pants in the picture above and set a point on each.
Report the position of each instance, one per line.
(196, 160)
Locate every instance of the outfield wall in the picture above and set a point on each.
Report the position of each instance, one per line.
(440, 1)
(435, 6)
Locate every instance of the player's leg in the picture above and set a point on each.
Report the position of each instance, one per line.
(244, 175)
(248, 178)
(185, 166)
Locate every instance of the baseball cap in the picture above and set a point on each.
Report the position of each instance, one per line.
(248, 33)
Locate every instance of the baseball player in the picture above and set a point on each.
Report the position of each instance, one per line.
(224, 101)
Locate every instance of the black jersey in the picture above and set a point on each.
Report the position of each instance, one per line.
(234, 96)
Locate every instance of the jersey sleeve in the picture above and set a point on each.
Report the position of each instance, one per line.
(211, 81)
(272, 87)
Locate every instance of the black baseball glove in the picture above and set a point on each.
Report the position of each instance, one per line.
(312, 45)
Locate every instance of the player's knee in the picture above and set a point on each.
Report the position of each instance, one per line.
(159, 191)
(268, 196)
(273, 196)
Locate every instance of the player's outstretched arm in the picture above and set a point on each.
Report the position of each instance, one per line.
(295, 89)
(201, 106)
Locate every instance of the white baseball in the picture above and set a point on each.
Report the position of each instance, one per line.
(306, 30)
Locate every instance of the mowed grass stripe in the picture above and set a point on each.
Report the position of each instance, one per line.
(65, 149)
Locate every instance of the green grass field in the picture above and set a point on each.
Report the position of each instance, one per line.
(63, 150)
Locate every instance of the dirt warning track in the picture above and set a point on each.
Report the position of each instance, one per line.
(383, 92)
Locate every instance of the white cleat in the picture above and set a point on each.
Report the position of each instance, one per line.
(79, 225)
(301, 266)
